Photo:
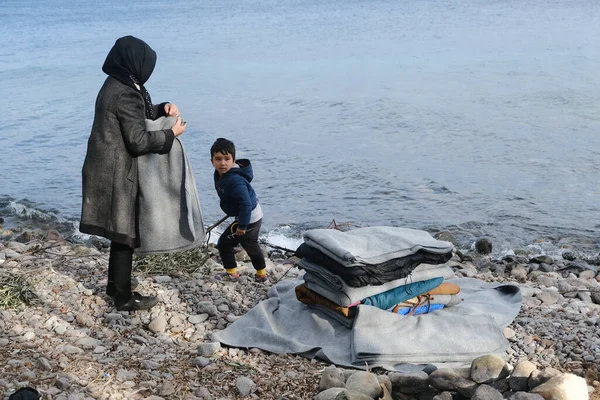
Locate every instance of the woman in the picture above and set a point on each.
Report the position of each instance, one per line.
(110, 175)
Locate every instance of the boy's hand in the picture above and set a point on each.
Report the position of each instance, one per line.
(240, 232)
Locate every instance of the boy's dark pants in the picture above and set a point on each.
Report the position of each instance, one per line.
(249, 242)
(119, 272)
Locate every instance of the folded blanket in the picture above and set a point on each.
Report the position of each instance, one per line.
(391, 297)
(170, 218)
(342, 294)
(373, 244)
(376, 274)
(307, 296)
(334, 281)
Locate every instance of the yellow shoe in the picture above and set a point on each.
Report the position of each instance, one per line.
(224, 276)
(260, 278)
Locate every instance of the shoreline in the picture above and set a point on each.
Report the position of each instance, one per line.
(29, 222)
(74, 343)
(22, 217)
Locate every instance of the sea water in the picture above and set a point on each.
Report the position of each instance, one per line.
(479, 117)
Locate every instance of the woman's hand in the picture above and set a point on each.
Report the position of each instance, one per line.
(240, 232)
(171, 110)
(178, 127)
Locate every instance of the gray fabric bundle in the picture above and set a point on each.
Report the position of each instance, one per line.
(373, 244)
(329, 285)
(170, 218)
(450, 337)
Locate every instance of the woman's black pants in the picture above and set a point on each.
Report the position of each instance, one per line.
(119, 272)
(249, 242)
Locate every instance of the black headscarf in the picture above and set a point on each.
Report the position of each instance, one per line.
(132, 61)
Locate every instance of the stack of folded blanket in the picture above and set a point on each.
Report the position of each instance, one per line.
(397, 269)
(332, 329)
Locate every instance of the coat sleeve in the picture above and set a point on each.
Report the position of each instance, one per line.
(159, 110)
(138, 141)
(241, 193)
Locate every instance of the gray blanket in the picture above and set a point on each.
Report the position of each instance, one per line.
(453, 336)
(327, 284)
(373, 244)
(170, 218)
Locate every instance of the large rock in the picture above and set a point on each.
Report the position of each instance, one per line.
(485, 392)
(488, 368)
(443, 396)
(450, 380)
(446, 236)
(409, 383)
(538, 377)
(542, 259)
(519, 379)
(208, 349)
(341, 394)
(158, 324)
(483, 246)
(331, 377)
(519, 273)
(244, 385)
(206, 307)
(526, 396)
(563, 387)
(364, 382)
(549, 297)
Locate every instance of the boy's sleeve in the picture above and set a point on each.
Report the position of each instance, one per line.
(242, 194)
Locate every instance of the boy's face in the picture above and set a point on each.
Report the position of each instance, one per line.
(222, 162)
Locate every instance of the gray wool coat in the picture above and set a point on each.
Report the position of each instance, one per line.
(110, 169)
(170, 219)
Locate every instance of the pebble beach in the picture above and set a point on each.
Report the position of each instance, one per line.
(64, 338)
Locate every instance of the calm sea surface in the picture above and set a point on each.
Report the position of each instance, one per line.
(481, 117)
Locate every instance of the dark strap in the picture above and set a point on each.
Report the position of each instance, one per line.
(422, 299)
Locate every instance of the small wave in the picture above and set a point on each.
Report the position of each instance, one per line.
(283, 236)
(434, 187)
(512, 217)
(23, 214)
(442, 190)
(26, 212)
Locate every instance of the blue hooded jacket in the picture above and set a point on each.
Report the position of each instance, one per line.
(238, 198)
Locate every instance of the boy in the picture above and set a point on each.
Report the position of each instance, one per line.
(238, 199)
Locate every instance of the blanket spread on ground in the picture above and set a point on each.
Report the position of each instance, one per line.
(451, 337)
(170, 218)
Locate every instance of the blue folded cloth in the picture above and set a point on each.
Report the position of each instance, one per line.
(390, 298)
(421, 309)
